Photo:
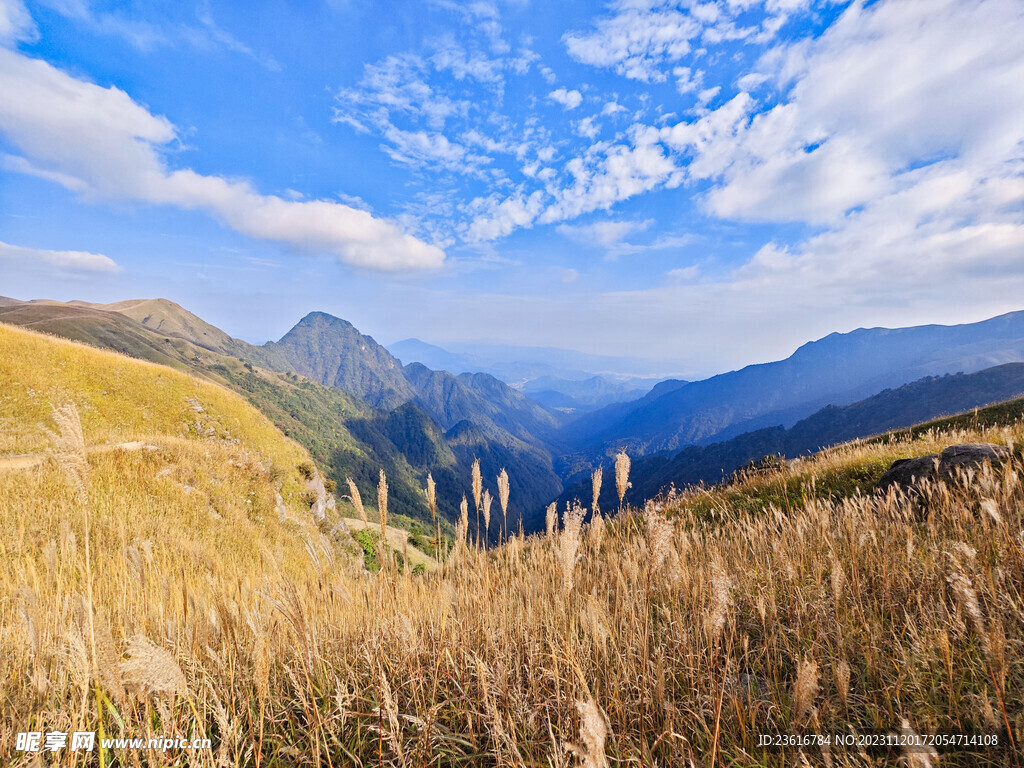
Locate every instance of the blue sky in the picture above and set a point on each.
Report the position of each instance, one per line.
(708, 184)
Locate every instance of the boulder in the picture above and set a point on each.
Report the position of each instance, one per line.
(315, 484)
(906, 473)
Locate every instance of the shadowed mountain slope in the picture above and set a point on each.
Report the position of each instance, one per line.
(508, 431)
(911, 404)
(836, 370)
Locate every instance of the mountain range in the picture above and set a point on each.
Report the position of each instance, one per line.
(352, 404)
(914, 403)
(563, 380)
(357, 408)
(839, 369)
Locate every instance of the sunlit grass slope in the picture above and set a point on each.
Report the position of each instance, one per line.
(181, 480)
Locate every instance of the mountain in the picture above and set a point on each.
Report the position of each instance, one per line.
(836, 370)
(169, 319)
(515, 364)
(580, 395)
(331, 351)
(538, 372)
(343, 397)
(496, 424)
(914, 403)
(346, 437)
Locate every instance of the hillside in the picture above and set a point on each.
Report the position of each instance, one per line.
(793, 600)
(919, 402)
(347, 436)
(174, 461)
(105, 329)
(169, 319)
(836, 370)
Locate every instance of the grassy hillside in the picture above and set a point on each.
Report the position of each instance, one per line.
(793, 601)
(157, 500)
(105, 329)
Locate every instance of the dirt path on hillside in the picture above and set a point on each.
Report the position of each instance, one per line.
(30, 460)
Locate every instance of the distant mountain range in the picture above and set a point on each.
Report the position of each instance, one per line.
(837, 370)
(561, 379)
(578, 396)
(513, 363)
(358, 408)
(913, 403)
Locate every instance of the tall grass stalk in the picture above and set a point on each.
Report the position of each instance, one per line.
(503, 493)
(622, 474)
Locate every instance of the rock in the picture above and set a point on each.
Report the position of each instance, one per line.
(316, 485)
(906, 473)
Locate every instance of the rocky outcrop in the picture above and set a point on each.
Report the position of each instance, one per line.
(323, 501)
(907, 473)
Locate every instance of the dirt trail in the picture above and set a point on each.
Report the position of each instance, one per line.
(30, 460)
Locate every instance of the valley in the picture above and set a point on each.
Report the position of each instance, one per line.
(358, 409)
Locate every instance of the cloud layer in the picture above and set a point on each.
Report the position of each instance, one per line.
(101, 144)
(66, 262)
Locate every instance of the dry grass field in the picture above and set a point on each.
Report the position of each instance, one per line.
(793, 601)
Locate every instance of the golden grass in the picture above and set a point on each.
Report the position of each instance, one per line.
(672, 637)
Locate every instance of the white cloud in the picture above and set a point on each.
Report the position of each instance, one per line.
(635, 42)
(103, 145)
(464, 64)
(607, 175)
(15, 22)
(884, 90)
(568, 99)
(398, 84)
(708, 94)
(37, 259)
(588, 127)
(683, 274)
(501, 217)
(606, 234)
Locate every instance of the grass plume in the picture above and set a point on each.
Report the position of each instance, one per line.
(622, 474)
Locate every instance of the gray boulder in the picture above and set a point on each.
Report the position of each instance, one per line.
(906, 473)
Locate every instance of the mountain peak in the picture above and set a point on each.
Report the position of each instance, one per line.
(332, 351)
(316, 316)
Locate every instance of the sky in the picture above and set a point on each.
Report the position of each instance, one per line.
(705, 184)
